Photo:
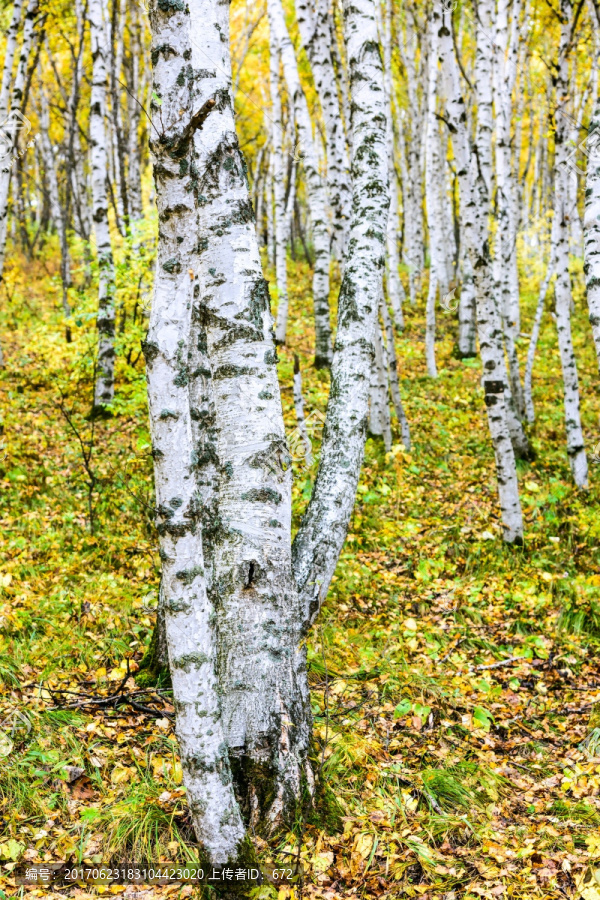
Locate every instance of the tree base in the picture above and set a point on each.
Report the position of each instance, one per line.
(154, 666)
(100, 411)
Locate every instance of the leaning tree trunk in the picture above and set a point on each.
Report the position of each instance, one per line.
(591, 226)
(575, 443)
(322, 532)
(189, 616)
(104, 388)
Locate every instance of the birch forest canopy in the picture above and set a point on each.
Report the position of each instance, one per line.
(300, 448)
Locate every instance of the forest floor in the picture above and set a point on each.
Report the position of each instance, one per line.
(454, 680)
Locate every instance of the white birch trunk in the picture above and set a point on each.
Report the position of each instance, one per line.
(315, 188)
(391, 365)
(562, 289)
(591, 226)
(134, 108)
(281, 229)
(11, 127)
(412, 136)
(379, 411)
(57, 212)
(269, 210)
(261, 663)
(300, 415)
(535, 334)
(395, 289)
(474, 210)
(315, 31)
(323, 529)
(432, 193)
(104, 388)
(9, 57)
(189, 615)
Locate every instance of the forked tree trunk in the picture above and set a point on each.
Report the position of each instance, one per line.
(189, 614)
(261, 662)
(104, 388)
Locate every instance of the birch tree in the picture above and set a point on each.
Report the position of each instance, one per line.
(474, 207)
(315, 25)
(189, 617)
(281, 229)
(104, 388)
(315, 187)
(591, 222)
(13, 100)
(562, 288)
(322, 531)
(395, 289)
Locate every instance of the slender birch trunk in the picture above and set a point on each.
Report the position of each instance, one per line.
(322, 531)
(261, 662)
(591, 226)
(269, 210)
(300, 415)
(562, 288)
(535, 334)
(391, 364)
(104, 388)
(315, 31)
(315, 188)
(413, 140)
(15, 100)
(379, 411)
(9, 57)
(432, 193)
(395, 289)
(189, 614)
(281, 229)
(474, 208)
(134, 111)
(59, 214)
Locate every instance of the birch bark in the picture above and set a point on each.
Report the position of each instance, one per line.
(10, 127)
(391, 363)
(315, 188)
(591, 226)
(134, 110)
(432, 194)
(316, 33)
(323, 529)
(281, 229)
(261, 663)
(562, 289)
(104, 388)
(474, 210)
(9, 57)
(189, 615)
(395, 289)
